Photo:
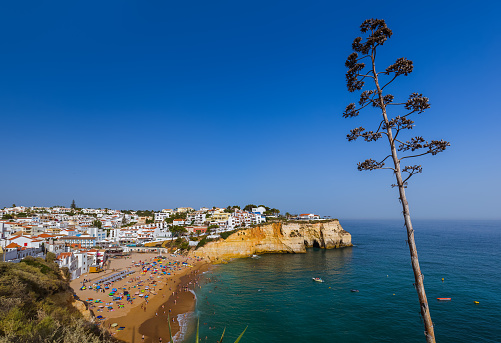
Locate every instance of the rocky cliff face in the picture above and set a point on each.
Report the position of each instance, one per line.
(82, 308)
(291, 237)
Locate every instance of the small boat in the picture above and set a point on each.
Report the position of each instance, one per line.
(317, 279)
(255, 256)
(355, 290)
(443, 299)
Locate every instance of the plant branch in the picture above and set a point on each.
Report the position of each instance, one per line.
(424, 153)
(363, 76)
(394, 77)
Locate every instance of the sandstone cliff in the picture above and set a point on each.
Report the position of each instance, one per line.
(82, 308)
(290, 237)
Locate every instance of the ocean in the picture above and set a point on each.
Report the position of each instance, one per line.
(275, 297)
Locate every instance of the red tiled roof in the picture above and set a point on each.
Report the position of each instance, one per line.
(12, 245)
(64, 255)
(45, 235)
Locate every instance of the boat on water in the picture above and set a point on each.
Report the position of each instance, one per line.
(317, 279)
(254, 256)
(443, 299)
(355, 290)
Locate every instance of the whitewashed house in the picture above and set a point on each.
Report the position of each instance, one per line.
(161, 216)
(100, 234)
(68, 260)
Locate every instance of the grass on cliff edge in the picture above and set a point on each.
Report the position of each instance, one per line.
(35, 306)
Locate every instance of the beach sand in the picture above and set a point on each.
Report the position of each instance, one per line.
(145, 317)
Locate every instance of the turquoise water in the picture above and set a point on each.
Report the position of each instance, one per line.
(275, 296)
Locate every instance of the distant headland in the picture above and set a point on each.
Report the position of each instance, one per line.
(277, 237)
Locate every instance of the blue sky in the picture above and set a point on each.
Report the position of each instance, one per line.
(125, 104)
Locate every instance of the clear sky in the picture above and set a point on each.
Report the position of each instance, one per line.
(160, 104)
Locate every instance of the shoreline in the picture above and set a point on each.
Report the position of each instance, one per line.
(182, 303)
(167, 284)
(162, 292)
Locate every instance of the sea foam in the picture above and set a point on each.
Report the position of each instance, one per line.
(183, 320)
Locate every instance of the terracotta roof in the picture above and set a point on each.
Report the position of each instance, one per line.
(12, 246)
(45, 235)
(64, 255)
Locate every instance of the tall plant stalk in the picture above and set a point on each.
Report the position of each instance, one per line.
(378, 34)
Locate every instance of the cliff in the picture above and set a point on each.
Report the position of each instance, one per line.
(289, 237)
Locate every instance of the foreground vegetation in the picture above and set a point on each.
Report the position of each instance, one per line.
(36, 306)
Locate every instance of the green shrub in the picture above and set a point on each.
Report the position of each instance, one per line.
(227, 234)
(35, 306)
(202, 242)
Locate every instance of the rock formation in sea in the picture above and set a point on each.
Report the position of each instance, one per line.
(279, 237)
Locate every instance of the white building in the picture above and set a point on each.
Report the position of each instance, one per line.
(178, 222)
(196, 218)
(68, 232)
(26, 241)
(100, 234)
(161, 216)
(68, 260)
(5, 230)
(56, 247)
(82, 242)
(84, 261)
(308, 216)
(259, 210)
(14, 252)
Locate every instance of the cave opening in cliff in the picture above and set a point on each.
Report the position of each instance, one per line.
(316, 244)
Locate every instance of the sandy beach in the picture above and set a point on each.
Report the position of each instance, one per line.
(158, 289)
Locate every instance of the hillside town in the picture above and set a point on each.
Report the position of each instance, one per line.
(84, 239)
